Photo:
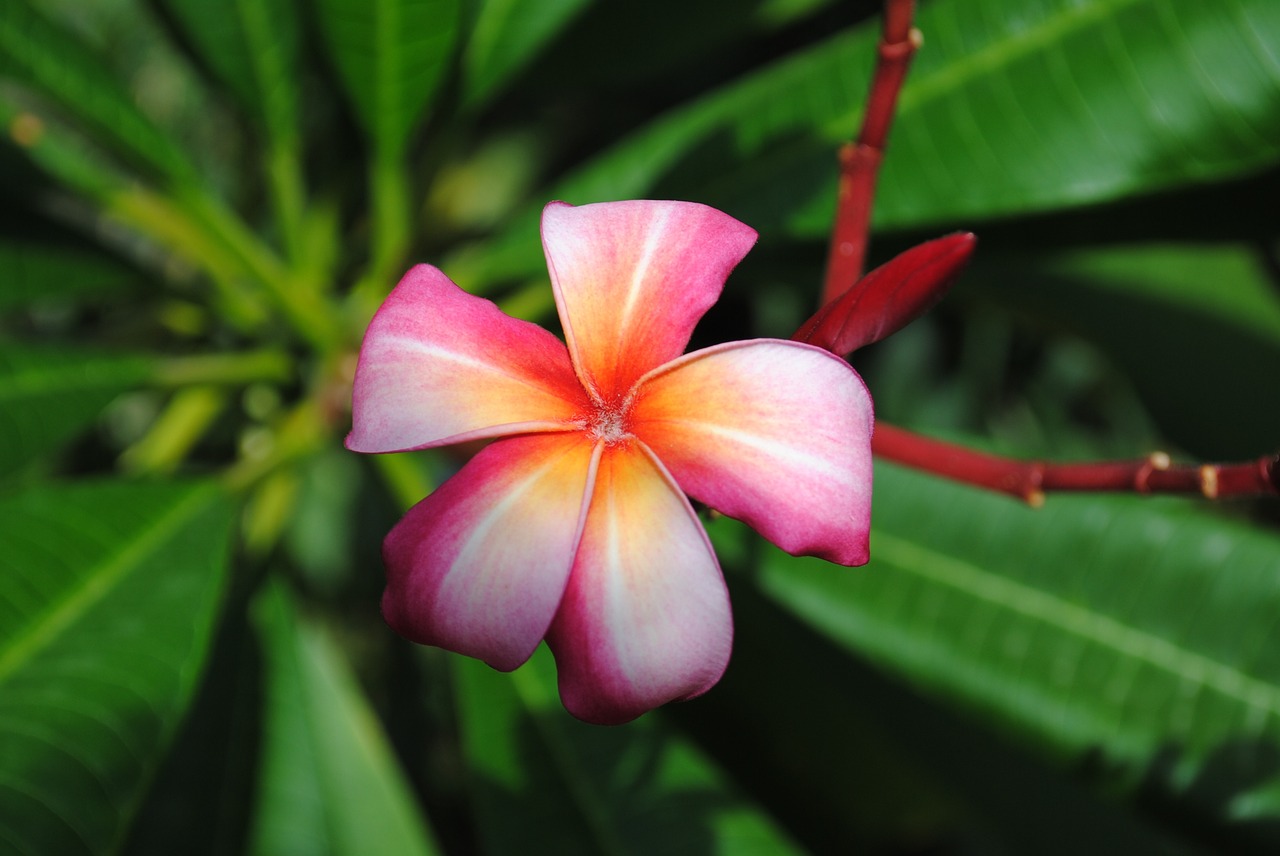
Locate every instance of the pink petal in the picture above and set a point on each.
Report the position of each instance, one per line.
(774, 433)
(645, 619)
(480, 565)
(441, 366)
(632, 279)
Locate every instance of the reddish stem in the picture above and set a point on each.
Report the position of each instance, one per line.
(837, 328)
(860, 161)
(1030, 480)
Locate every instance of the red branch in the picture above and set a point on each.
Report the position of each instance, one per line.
(898, 291)
(1030, 480)
(860, 161)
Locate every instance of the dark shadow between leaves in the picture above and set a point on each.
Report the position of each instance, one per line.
(630, 789)
(1203, 379)
(1204, 810)
(851, 760)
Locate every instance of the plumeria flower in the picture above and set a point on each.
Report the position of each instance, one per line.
(573, 525)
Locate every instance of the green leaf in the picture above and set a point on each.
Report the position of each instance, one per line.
(1195, 328)
(546, 783)
(330, 784)
(1044, 105)
(506, 35)
(390, 56)
(42, 55)
(49, 394)
(1223, 282)
(60, 153)
(43, 274)
(1011, 106)
(1139, 633)
(252, 47)
(108, 594)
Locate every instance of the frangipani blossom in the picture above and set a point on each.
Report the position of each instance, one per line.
(573, 523)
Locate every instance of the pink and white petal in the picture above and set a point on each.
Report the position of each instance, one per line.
(441, 366)
(631, 280)
(645, 619)
(479, 566)
(774, 433)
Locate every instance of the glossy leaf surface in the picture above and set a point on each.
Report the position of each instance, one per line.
(1144, 632)
(108, 592)
(47, 395)
(1011, 107)
(329, 781)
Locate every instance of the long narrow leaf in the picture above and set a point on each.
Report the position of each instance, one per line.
(1145, 633)
(49, 394)
(1011, 106)
(252, 46)
(37, 274)
(41, 55)
(329, 782)
(1172, 317)
(506, 35)
(390, 56)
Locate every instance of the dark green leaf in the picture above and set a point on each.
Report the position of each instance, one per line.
(40, 274)
(49, 394)
(1195, 328)
(41, 55)
(107, 598)
(390, 56)
(1018, 106)
(546, 783)
(1141, 631)
(1011, 106)
(506, 35)
(252, 47)
(1226, 283)
(329, 783)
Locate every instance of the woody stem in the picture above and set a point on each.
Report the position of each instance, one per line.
(1031, 480)
(860, 160)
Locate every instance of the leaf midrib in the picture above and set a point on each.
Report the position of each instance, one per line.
(96, 585)
(997, 55)
(1126, 641)
(386, 83)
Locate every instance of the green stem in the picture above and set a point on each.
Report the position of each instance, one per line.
(300, 433)
(157, 217)
(192, 222)
(389, 180)
(171, 437)
(389, 230)
(268, 511)
(310, 314)
(284, 178)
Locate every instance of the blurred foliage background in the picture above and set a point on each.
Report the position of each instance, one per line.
(205, 202)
